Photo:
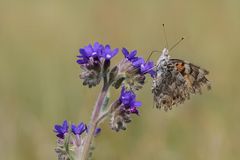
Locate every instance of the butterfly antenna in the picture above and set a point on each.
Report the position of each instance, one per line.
(179, 41)
(165, 36)
(151, 54)
(166, 43)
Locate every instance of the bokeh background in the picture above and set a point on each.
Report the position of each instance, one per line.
(39, 84)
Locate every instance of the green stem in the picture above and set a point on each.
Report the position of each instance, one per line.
(109, 110)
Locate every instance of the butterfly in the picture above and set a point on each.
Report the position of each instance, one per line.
(176, 80)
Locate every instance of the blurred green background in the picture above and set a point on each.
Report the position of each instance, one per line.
(39, 84)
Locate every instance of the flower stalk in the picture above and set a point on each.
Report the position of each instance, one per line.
(94, 120)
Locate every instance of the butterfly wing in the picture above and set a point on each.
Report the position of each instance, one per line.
(195, 76)
(176, 81)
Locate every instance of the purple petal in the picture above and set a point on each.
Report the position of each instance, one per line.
(96, 46)
(114, 52)
(65, 124)
(107, 48)
(80, 56)
(74, 128)
(137, 104)
(138, 62)
(81, 128)
(82, 51)
(97, 131)
(57, 128)
(152, 73)
(78, 129)
(132, 54)
(88, 49)
(146, 67)
(110, 54)
(125, 52)
(82, 61)
(61, 129)
(127, 98)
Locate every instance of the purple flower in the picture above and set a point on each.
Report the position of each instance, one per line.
(78, 130)
(137, 62)
(108, 53)
(95, 62)
(88, 51)
(125, 106)
(147, 68)
(128, 99)
(61, 129)
(97, 51)
(130, 56)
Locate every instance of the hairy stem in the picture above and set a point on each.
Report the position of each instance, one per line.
(93, 122)
(110, 109)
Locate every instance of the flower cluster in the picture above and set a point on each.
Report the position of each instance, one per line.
(126, 106)
(132, 70)
(139, 63)
(62, 130)
(128, 101)
(130, 73)
(95, 60)
(71, 138)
